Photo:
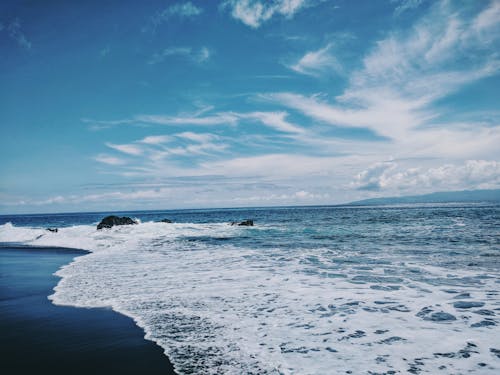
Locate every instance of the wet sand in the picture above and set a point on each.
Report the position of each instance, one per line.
(39, 337)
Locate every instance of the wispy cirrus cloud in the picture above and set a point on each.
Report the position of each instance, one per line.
(407, 72)
(441, 53)
(254, 13)
(156, 139)
(375, 117)
(181, 10)
(319, 62)
(215, 119)
(406, 5)
(14, 31)
(276, 120)
(144, 154)
(197, 56)
(109, 160)
(197, 137)
(129, 149)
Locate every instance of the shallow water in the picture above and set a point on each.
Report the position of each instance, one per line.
(378, 290)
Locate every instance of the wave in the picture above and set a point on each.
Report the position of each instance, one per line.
(218, 307)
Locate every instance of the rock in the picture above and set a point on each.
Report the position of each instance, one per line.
(165, 221)
(440, 317)
(483, 323)
(110, 221)
(246, 223)
(484, 312)
(428, 314)
(53, 230)
(467, 304)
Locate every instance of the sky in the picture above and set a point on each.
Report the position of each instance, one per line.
(124, 105)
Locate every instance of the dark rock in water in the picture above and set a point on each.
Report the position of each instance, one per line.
(391, 340)
(484, 312)
(53, 230)
(110, 221)
(495, 352)
(467, 304)
(466, 352)
(483, 323)
(165, 221)
(440, 316)
(447, 355)
(424, 311)
(246, 223)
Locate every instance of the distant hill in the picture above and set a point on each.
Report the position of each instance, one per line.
(439, 197)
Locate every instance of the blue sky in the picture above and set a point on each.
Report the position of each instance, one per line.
(115, 105)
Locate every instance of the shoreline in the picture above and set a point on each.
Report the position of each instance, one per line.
(38, 336)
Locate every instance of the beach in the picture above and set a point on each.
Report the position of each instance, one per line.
(39, 337)
(305, 290)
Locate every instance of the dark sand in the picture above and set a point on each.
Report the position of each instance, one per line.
(37, 337)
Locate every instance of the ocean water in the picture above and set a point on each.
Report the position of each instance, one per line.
(316, 290)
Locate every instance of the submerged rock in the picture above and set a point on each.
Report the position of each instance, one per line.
(110, 221)
(467, 304)
(440, 316)
(246, 223)
(428, 314)
(483, 323)
(165, 221)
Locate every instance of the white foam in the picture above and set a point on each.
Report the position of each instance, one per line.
(225, 309)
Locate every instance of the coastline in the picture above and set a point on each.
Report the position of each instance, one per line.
(38, 336)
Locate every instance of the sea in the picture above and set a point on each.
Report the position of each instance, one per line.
(409, 289)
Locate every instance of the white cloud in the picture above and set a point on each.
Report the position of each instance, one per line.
(105, 124)
(320, 62)
(275, 120)
(110, 160)
(216, 119)
(197, 56)
(203, 55)
(255, 12)
(404, 75)
(129, 149)
(388, 116)
(273, 166)
(440, 54)
(155, 139)
(184, 9)
(406, 5)
(472, 174)
(197, 137)
(488, 18)
(181, 10)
